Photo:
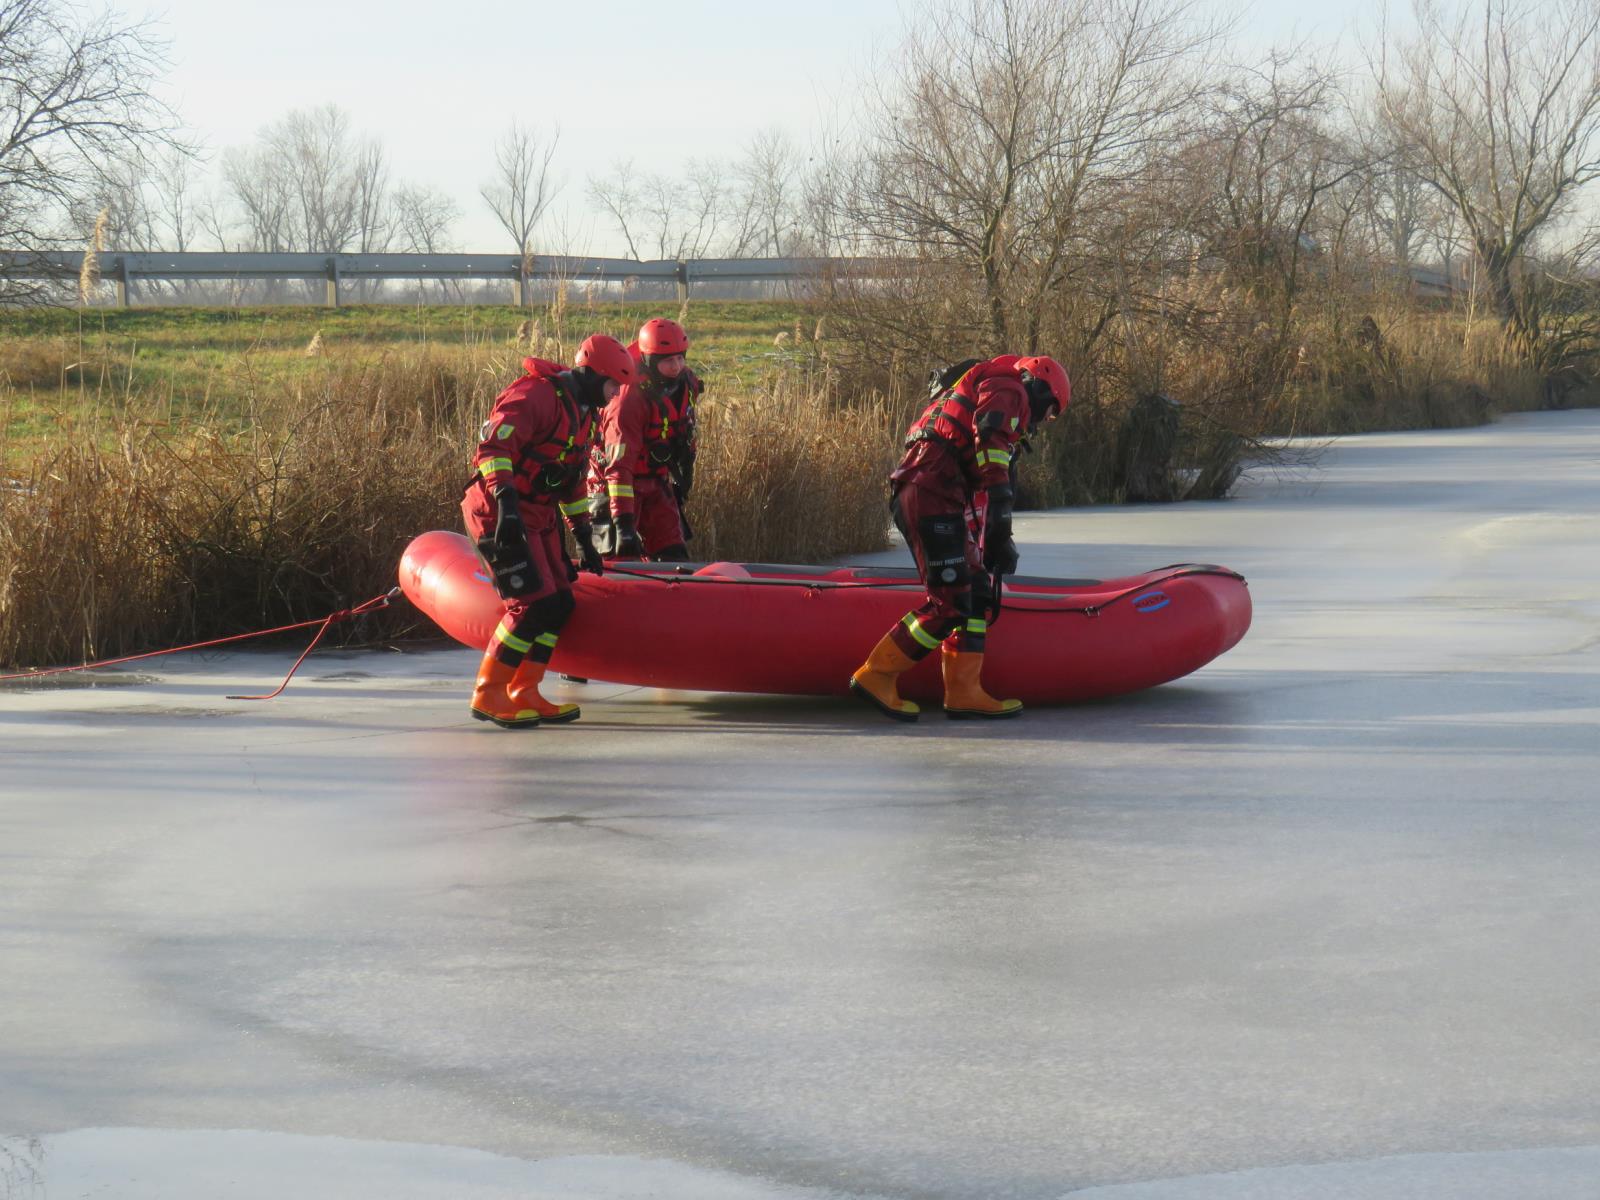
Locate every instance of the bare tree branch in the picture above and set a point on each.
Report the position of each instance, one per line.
(522, 187)
(77, 107)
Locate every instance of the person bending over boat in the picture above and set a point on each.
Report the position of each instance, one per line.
(959, 449)
(529, 466)
(646, 467)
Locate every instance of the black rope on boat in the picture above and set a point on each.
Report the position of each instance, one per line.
(1179, 571)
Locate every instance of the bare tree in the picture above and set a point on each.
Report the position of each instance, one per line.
(522, 187)
(618, 193)
(423, 217)
(264, 194)
(119, 194)
(1007, 125)
(764, 203)
(1271, 160)
(310, 184)
(173, 201)
(660, 215)
(371, 210)
(1397, 203)
(75, 101)
(1502, 104)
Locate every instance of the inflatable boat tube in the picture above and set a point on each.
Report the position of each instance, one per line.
(758, 627)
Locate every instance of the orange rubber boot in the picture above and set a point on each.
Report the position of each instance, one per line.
(524, 693)
(491, 702)
(964, 695)
(875, 681)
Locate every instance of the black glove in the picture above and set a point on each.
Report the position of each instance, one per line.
(588, 553)
(683, 475)
(510, 535)
(999, 550)
(506, 549)
(628, 543)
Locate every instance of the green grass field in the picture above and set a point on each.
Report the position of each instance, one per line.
(65, 371)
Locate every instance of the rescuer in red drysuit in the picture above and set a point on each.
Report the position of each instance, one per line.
(961, 446)
(528, 466)
(645, 467)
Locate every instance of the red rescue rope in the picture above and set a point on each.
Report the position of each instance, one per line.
(343, 614)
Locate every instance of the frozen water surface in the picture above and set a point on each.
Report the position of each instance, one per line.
(1320, 920)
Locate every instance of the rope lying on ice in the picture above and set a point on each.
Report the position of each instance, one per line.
(1178, 571)
(343, 614)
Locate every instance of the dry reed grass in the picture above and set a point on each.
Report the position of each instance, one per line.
(136, 539)
(1398, 365)
(792, 477)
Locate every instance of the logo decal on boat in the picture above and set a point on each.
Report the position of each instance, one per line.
(1151, 602)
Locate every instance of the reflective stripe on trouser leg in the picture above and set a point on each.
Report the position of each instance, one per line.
(544, 622)
(513, 637)
(973, 631)
(947, 561)
(919, 633)
(970, 637)
(543, 647)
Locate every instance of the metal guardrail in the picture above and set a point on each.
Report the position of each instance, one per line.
(126, 269)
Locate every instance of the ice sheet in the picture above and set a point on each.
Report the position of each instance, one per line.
(1332, 900)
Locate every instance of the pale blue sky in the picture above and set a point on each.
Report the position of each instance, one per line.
(658, 81)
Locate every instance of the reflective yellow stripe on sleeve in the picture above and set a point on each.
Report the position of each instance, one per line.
(490, 465)
(573, 507)
(1000, 458)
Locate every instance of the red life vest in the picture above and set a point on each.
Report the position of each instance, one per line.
(670, 430)
(549, 467)
(950, 419)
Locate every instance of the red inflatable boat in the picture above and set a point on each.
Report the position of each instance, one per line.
(754, 627)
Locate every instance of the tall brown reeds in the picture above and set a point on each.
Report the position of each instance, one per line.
(791, 476)
(137, 539)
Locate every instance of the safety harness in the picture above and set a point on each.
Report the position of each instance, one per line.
(548, 466)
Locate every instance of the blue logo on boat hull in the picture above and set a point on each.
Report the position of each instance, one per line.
(1151, 602)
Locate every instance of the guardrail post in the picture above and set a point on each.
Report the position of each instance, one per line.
(124, 282)
(333, 281)
(683, 281)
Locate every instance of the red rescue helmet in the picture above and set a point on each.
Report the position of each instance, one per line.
(661, 336)
(606, 356)
(1050, 373)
